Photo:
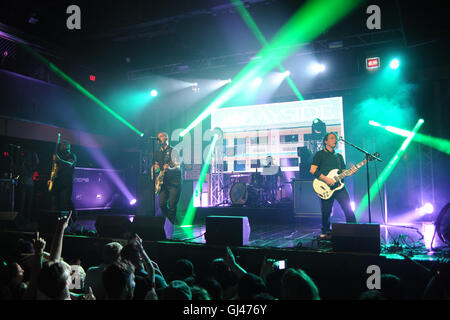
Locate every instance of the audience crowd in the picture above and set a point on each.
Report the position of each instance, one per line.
(128, 273)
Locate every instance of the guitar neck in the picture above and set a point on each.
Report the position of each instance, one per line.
(349, 172)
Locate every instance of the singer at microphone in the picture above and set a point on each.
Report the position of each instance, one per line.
(323, 162)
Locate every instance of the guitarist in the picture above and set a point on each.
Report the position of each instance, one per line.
(323, 162)
(63, 184)
(167, 161)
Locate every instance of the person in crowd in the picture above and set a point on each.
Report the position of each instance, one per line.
(297, 285)
(11, 281)
(145, 270)
(110, 255)
(176, 290)
(118, 281)
(184, 270)
(199, 293)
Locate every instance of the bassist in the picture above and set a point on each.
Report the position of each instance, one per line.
(167, 162)
(323, 162)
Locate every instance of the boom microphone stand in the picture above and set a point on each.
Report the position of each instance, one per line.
(368, 158)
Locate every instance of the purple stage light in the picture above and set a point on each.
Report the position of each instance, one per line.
(427, 208)
(353, 205)
(133, 202)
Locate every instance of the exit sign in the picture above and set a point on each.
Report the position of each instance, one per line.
(372, 63)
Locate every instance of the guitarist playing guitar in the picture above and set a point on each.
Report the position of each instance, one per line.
(323, 162)
(168, 181)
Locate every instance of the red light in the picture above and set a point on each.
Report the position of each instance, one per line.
(5, 53)
(36, 176)
(372, 63)
(92, 77)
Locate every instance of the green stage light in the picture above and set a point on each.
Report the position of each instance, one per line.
(394, 64)
(312, 19)
(376, 186)
(245, 15)
(437, 143)
(154, 93)
(64, 76)
(190, 213)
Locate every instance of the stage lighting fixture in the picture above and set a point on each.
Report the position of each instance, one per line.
(287, 73)
(316, 68)
(394, 64)
(318, 129)
(154, 93)
(133, 202)
(427, 208)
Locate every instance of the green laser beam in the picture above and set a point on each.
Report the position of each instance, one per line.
(312, 19)
(376, 186)
(64, 76)
(245, 15)
(437, 143)
(190, 213)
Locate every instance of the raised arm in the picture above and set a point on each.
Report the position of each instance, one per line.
(57, 241)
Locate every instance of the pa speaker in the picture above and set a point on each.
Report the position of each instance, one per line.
(227, 230)
(48, 219)
(152, 228)
(145, 205)
(352, 237)
(113, 226)
(306, 201)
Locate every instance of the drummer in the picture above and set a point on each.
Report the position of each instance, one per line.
(272, 177)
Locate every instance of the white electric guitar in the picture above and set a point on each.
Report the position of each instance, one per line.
(324, 191)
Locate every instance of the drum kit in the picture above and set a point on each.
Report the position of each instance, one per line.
(252, 190)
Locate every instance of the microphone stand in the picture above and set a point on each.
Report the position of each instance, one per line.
(368, 158)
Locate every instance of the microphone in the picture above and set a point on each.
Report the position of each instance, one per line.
(153, 138)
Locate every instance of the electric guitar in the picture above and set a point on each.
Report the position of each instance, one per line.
(324, 191)
(160, 178)
(54, 167)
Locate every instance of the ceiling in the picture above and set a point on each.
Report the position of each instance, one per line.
(134, 34)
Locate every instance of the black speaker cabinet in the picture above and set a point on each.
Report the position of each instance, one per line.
(152, 228)
(227, 230)
(306, 201)
(353, 237)
(145, 189)
(113, 226)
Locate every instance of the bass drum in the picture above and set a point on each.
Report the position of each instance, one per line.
(243, 194)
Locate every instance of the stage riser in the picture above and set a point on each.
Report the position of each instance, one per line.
(337, 275)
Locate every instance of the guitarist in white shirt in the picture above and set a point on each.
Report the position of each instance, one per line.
(323, 162)
(167, 162)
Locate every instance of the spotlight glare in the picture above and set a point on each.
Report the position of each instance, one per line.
(287, 73)
(316, 68)
(394, 64)
(428, 208)
(154, 93)
(256, 82)
(133, 202)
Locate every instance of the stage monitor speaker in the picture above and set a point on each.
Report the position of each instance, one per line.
(7, 219)
(152, 228)
(48, 219)
(353, 237)
(113, 226)
(145, 189)
(227, 230)
(306, 201)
